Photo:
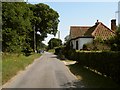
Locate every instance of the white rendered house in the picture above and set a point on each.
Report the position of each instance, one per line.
(80, 35)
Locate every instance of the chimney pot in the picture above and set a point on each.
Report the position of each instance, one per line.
(97, 22)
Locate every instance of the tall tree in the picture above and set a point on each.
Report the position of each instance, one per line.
(16, 26)
(54, 42)
(45, 21)
(22, 21)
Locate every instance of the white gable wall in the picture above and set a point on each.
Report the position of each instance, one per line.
(81, 42)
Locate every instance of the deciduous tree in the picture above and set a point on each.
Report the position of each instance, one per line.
(20, 20)
(54, 42)
(16, 19)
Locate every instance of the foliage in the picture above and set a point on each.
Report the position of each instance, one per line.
(16, 26)
(41, 46)
(115, 41)
(98, 45)
(85, 47)
(51, 50)
(13, 63)
(19, 21)
(59, 53)
(54, 42)
(45, 20)
(58, 50)
(107, 63)
(67, 38)
(63, 52)
(90, 79)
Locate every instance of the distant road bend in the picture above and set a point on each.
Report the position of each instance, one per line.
(45, 72)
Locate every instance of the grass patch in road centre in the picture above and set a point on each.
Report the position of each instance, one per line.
(12, 63)
(91, 79)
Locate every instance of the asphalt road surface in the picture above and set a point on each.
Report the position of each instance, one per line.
(45, 72)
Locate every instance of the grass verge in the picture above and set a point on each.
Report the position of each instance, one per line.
(51, 50)
(12, 63)
(91, 79)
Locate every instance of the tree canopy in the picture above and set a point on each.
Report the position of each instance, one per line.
(16, 26)
(115, 41)
(54, 42)
(67, 38)
(19, 20)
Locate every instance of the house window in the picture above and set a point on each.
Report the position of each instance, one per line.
(77, 45)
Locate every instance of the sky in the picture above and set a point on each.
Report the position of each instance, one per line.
(81, 14)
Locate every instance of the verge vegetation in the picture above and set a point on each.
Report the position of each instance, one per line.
(51, 50)
(91, 79)
(12, 63)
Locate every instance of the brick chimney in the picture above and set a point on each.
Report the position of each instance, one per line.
(113, 24)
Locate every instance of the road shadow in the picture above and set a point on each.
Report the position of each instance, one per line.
(91, 79)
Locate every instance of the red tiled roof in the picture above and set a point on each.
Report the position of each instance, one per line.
(103, 32)
(90, 31)
(99, 30)
(77, 31)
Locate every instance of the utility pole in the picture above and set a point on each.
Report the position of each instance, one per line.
(117, 17)
(34, 40)
(58, 34)
(119, 13)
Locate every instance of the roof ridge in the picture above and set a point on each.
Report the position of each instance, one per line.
(100, 23)
(108, 28)
(95, 29)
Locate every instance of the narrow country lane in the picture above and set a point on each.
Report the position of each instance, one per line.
(45, 72)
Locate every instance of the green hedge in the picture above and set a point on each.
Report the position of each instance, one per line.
(58, 50)
(107, 63)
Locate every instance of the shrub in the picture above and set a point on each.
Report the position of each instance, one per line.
(98, 46)
(58, 50)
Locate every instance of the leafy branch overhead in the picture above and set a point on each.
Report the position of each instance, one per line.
(19, 21)
(46, 19)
